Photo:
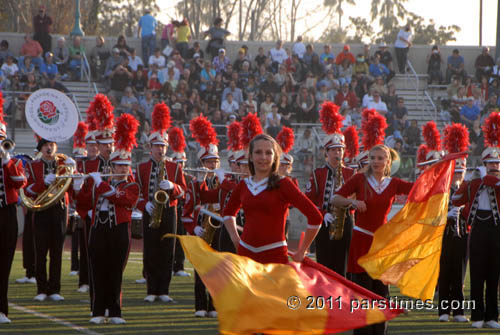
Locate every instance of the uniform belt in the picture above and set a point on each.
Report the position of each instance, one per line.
(263, 247)
(367, 232)
(483, 215)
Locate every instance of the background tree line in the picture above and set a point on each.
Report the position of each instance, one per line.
(254, 20)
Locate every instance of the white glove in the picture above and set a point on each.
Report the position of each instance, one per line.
(166, 185)
(78, 183)
(150, 207)
(220, 173)
(97, 178)
(70, 161)
(454, 212)
(328, 219)
(482, 171)
(49, 179)
(199, 231)
(6, 158)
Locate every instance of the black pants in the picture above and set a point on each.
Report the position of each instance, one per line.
(333, 253)
(8, 239)
(223, 241)
(179, 253)
(75, 239)
(49, 229)
(45, 41)
(159, 253)
(202, 299)
(401, 57)
(377, 287)
(484, 267)
(109, 246)
(453, 263)
(28, 246)
(83, 278)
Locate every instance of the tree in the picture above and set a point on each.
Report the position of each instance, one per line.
(337, 5)
(118, 17)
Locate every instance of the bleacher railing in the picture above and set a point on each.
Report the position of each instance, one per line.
(86, 75)
(431, 102)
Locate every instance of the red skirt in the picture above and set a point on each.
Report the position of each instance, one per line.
(276, 255)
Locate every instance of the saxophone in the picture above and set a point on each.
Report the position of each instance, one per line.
(207, 225)
(160, 199)
(336, 228)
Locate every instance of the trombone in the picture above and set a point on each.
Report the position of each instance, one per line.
(213, 171)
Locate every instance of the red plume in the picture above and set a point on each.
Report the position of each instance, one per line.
(233, 136)
(367, 114)
(373, 131)
(79, 136)
(351, 141)
(126, 128)
(250, 127)
(431, 136)
(491, 129)
(285, 139)
(203, 132)
(422, 152)
(330, 118)
(160, 118)
(456, 138)
(102, 109)
(1, 109)
(176, 139)
(91, 119)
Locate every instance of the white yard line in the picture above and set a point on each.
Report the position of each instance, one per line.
(53, 319)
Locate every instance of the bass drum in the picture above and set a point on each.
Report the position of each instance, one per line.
(136, 225)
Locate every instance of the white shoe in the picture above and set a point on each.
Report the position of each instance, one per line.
(83, 289)
(23, 280)
(98, 320)
(140, 281)
(200, 314)
(31, 280)
(182, 273)
(40, 297)
(106, 312)
(460, 318)
(117, 320)
(150, 298)
(165, 298)
(56, 297)
(492, 324)
(212, 314)
(4, 318)
(73, 273)
(444, 318)
(477, 324)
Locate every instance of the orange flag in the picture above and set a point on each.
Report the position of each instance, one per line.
(294, 298)
(406, 251)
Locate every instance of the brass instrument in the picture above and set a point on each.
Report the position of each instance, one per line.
(336, 228)
(86, 175)
(54, 191)
(207, 225)
(8, 145)
(160, 199)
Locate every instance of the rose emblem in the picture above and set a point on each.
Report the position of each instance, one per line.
(48, 112)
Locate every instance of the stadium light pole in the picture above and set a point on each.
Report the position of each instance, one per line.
(77, 29)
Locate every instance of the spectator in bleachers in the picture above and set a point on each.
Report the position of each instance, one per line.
(56, 85)
(297, 69)
(311, 81)
(346, 94)
(183, 38)
(9, 68)
(456, 66)
(168, 34)
(140, 81)
(380, 86)
(346, 54)
(299, 48)
(277, 55)
(238, 63)
(280, 77)
(76, 57)
(121, 44)
(453, 87)
(221, 62)
(127, 100)
(361, 69)
(268, 87)
(171, 75)
(469, 112)
(154, 83)
(41, 25)
(402, 46)
(476, 138)
(244, 74)
(119, 80)
(317, 68)
(305, 103)
(251, 101)
(327, 53)
(345, 72)
(359, 88)
(4, 82)
(398, 118)
(157, 58)
(207, 75)
(273, 121)
(377, 103)
(460, 99)
(229, 106)
(61, 55)
(217, 36)
(113, 62)
(494, 76)
(266, 105)
(469, 86)
(33, 49)
(379, 70)
(147, 104)
(368, 97)
(484, 88)
(134, 60)
(177, 60)
(49, 67)
(366, 53)
(4, 51)
(411, 136)
(196, 49)
(484, 64)
(261, 57)
(309, 55)
(491, 103)
(147, 32)
(385, 58)
(235, 92)
(26, 67)
(98, 57)
(434, 62)
(322, 95)
(391, 98)
(31, 83)
(479, 101)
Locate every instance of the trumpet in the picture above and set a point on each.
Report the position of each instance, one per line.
(7, 145)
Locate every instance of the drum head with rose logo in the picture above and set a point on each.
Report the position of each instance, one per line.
(51, 114)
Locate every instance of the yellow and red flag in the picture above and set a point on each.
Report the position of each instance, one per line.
(405, 252)
(294, 298)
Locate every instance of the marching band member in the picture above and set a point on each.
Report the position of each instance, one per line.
(265, 198)
(208, 155)
(374, 193)
(453, 261)
(481, 197)
(159, 175)
(49, 225)
(321, 187)
(177, 143)
(109, 240)
(363, 158)
(429, 152)
(11, 180)
(351, 147)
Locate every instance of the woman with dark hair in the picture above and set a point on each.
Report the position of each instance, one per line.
(374, 192)
(121, 44)
(265, 198)
(217, 35)
(183, 37)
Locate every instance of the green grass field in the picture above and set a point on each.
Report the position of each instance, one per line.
(156, 318)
